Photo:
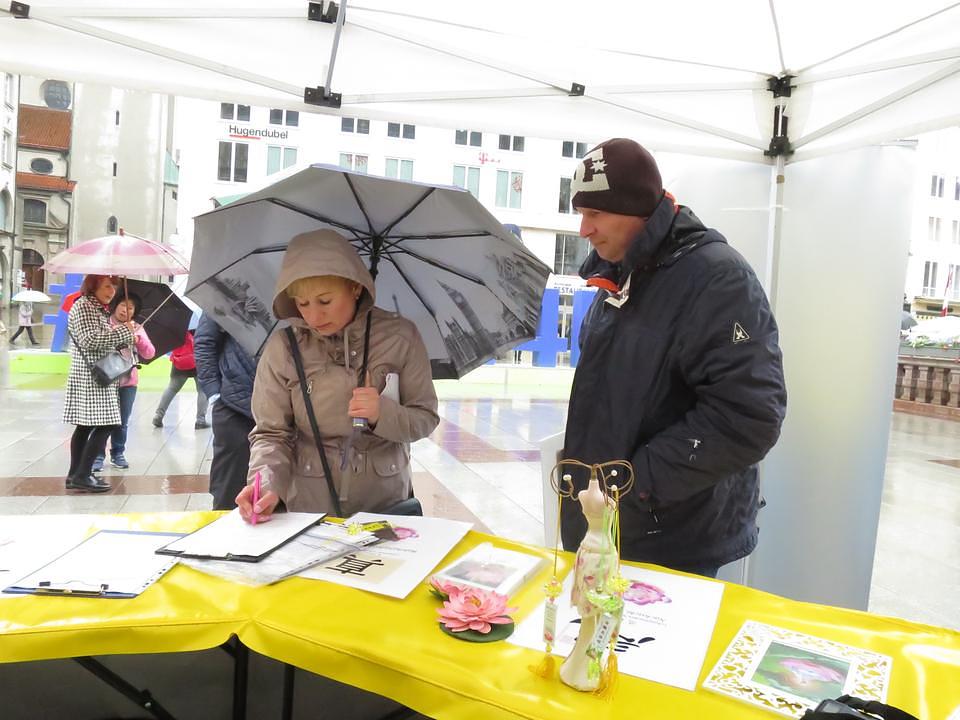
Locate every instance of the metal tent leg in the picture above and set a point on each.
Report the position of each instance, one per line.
(143, 698)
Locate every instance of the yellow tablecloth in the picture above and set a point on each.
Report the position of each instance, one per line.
(394, 648)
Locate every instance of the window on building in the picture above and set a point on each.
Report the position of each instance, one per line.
(350, 161)
(114, 169)
(4, 220)
(284, 117)
(570, 252)
(952, 290)
(468, 137)
(6, 149)
(936, 186)
(360, 126)
(279, 158)
(41, 166)
(408, 132)
(511, 142)
(956, 188)
(8, 89)
(955, 232)
(397, 168)
(112, 225)
(565, 196)
(35, 211)
(573, 149)
(933, 229)
(116, 118)
(930, 279)
(233, 161)
(468, 178)
(229, 111)
(292, 118)
(509, 189)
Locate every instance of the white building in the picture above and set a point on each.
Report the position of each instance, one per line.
(9, 99)
(228, 150)
(935, 237)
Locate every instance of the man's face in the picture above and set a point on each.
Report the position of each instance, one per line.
(609, 233)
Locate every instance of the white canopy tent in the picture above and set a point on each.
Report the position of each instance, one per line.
(776, 121)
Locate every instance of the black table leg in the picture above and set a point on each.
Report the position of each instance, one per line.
(143, 698)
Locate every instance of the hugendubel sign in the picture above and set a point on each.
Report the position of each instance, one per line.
(245, 132)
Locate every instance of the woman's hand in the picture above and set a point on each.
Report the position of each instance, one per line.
(365, 403)
(264, 508)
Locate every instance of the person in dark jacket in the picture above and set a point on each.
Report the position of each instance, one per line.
(680, 371)
(226, 372)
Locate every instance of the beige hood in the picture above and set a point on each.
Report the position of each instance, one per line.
(321, 252)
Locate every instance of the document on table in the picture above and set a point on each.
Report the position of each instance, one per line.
(393, 567)
(666, 628)
(231, 538)
(318, 544)
(110, 564)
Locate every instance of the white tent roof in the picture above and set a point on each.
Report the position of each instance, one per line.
(688, 75)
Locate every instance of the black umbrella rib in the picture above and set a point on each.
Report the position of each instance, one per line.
(356, 196)
(406, 213)
(446, 268)
(317, 216)
(415, 291)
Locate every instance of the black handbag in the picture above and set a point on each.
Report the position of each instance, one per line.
(111, 367)
(410, 506)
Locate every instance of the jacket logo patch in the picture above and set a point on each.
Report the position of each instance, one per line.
(591, 174)
(739, 334)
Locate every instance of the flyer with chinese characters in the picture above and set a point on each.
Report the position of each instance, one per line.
(667, 624)
(397, 566)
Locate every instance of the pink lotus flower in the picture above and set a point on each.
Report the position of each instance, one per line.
(805, 671)
(641, 593)
(442, 588)
(474, 609)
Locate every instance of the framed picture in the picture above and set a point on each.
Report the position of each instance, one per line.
(790, 672)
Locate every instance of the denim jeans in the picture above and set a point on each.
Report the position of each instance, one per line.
(177, 379)
(118, 438)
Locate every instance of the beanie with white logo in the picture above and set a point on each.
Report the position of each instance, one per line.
(617, 176)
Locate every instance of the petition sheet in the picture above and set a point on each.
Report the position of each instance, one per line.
(668, 621)
(394, 567)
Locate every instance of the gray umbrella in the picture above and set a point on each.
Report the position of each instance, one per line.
(438, 256)
(907, 320)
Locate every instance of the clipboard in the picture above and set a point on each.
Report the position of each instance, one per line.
(229, 537)
(108, 564)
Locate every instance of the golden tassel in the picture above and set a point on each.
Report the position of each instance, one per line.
(547, 668)
(608, 678)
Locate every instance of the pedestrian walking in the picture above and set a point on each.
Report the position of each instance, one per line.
(25, 320)
(92, 407)
(184, 366)
(124, 310)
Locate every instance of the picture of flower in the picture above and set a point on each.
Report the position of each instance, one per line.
(641, 593)
(803, 673)
(405, 533)
(487, 574)
(474, 609)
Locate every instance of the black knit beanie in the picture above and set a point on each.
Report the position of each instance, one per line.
(618, 176)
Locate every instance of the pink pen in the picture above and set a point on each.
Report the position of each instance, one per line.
(254, 518)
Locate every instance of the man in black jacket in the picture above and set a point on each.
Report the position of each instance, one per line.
(225, 369)
(680, 371)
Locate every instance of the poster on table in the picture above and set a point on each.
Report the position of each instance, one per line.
(667, 624)
(396, 567)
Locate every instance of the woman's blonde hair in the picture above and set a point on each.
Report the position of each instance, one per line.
(304, 287)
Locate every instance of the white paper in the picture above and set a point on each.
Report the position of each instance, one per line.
(668, 621)
(230, 535)
(492, 568)
(394, 568)
(111, 562)
(320, 543)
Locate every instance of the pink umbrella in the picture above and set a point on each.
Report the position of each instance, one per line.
(121, 254)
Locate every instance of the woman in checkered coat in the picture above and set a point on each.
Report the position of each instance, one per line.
(93, 408)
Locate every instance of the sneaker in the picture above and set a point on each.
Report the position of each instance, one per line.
(200, 425)
(119, 461)
(97, 465)
(157, 421)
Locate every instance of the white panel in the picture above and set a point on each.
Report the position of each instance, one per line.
(844, 242)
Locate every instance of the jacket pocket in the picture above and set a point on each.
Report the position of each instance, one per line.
(389, 460)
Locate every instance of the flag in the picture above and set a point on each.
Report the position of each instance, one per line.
(945, 310)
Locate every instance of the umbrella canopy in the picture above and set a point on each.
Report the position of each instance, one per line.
(122, 254)
(439, 257)
(163, 314)
(907, 320)
(31, 296)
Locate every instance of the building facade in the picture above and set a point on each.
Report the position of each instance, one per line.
(9, 99)
(933, 272)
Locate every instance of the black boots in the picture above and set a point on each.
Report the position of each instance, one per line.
(90, 483)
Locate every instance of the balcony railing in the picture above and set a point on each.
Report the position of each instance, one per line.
(928, 383)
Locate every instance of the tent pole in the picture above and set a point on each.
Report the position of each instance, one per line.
(341, 14)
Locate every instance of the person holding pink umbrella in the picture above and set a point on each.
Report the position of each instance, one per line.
(92, 407)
